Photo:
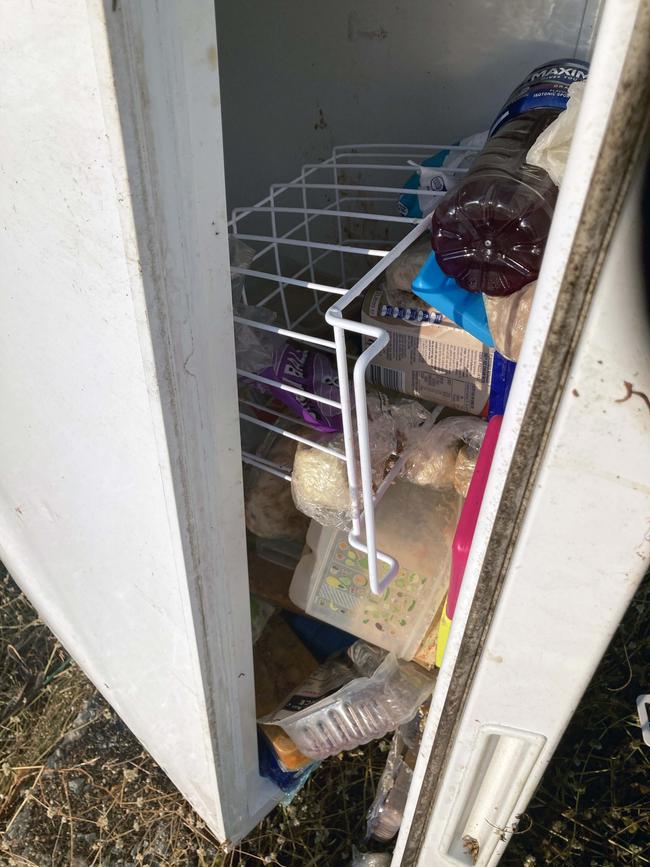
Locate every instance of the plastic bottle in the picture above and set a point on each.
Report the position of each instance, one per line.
(489, 233)
(361, 710)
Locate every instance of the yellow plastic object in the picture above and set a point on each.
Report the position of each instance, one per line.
(443, 635)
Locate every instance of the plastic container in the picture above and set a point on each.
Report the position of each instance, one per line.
(466, 309)
(465, 530)
(503, 371)
(364, 709)
(490, 232)
(331, 581)
(389, 814)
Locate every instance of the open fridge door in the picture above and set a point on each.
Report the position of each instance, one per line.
(121, 508)
(562, 539)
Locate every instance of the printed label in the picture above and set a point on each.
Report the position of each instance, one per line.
(311, 371)
(545, 87)
(434, 362)
(325, 681)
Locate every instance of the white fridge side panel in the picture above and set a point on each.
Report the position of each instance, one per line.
(121, 510)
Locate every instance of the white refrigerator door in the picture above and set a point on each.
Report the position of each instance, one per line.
(562, 541)
(121, 512)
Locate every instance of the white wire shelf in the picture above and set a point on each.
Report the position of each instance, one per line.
(332, 231)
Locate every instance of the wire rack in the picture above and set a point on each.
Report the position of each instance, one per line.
(320, 241)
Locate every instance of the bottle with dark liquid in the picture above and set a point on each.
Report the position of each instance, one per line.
(489, 233)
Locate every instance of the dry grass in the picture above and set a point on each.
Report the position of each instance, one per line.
(592, 807)
(77, 789)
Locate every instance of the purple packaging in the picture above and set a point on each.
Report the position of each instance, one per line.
(311, 371)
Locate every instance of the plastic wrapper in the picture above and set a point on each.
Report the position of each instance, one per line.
(241, 256)
(401, 273)
(387, 810)
(309, 371)
(363, 709)
(319, 485)
(281, 662)
(464, 469)
(434, 174)
(366, 658)
(376, 827)
(508, 318)
(268, 504)
(370, 859)
(261, 613)
(290, 782)
(433, 458)
(551, 150)
(319, 481)
(254, 349)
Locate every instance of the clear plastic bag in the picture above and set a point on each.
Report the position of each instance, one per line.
(319, 481)
(551, 150)
(379, 825)
(401, 273)
(387, 810)
(432, 459)
(261, 613)
(370, 859)
(241, 256)
(254, 349)
(319, 485)
(269, 508)
(508, 318)
(365, 657)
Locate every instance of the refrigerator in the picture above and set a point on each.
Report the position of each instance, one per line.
(137, 137)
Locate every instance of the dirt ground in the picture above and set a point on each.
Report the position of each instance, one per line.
(76, 788)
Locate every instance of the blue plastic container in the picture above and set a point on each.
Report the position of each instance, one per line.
(464, 308)
(503, 371)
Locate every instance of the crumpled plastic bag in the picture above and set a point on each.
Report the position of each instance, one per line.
(254, 348)
(319, 481)
(268, 506)
(261, 613)
(241, 256)
(551, 150)
(370, 859)
(432, 459)
(401, 273)
(508, 318)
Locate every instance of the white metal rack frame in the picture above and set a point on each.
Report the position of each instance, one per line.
(331, 232)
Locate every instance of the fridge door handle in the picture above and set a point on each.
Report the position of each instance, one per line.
(483, 812)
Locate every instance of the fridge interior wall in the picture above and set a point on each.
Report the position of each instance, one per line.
(300, 78)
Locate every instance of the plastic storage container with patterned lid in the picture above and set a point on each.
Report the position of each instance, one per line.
(331, 580)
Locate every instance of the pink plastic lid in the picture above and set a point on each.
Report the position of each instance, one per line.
(469, 514)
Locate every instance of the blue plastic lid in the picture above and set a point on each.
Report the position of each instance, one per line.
(503, 371)
(464, 308)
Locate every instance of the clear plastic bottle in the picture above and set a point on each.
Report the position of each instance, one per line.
(364, 709)
(489, 233)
